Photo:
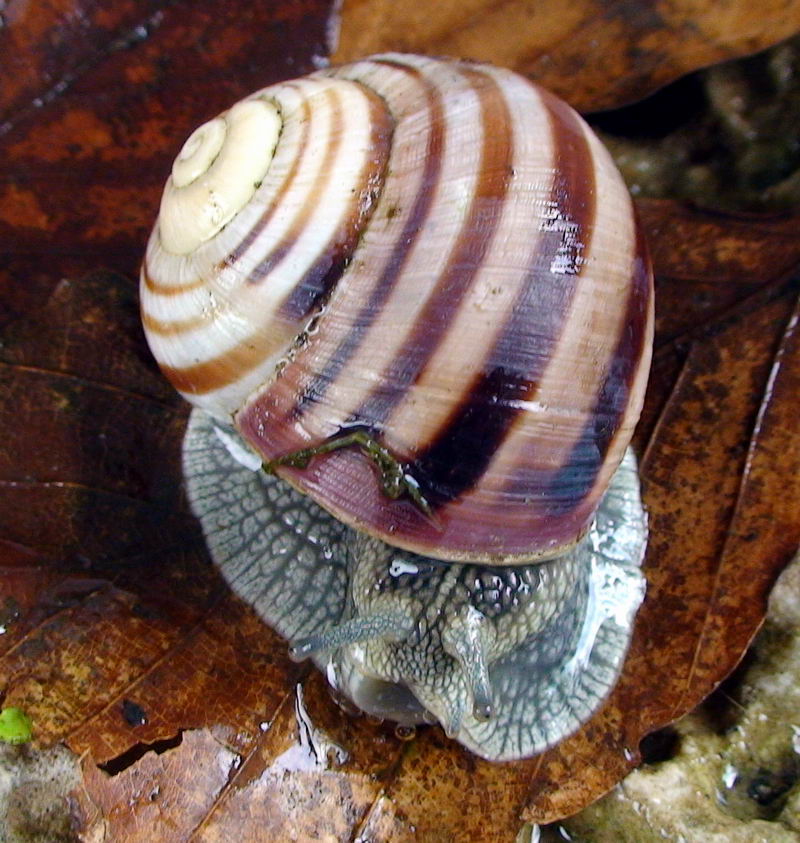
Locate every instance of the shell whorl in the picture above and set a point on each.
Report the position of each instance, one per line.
(465, 280)
(220, 317)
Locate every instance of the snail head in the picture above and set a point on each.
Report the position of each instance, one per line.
(423, 635)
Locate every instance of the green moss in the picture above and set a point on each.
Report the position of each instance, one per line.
(15, 726)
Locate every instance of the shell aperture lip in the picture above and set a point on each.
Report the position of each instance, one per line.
(307, 574)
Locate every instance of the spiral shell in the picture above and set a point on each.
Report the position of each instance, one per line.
(439, 253)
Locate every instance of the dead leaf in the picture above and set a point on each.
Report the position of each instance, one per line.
(164, 796)
(596, 54)
(121, 640)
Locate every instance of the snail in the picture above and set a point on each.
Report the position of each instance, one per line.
(412, 307)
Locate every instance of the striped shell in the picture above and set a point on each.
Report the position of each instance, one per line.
(438, 253)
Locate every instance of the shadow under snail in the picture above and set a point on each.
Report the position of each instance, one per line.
(411, 304)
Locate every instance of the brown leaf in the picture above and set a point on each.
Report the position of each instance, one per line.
(164, 796)
(596, 54)
(705, 402)
(121, 640)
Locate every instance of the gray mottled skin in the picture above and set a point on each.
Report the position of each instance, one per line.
(509, 660)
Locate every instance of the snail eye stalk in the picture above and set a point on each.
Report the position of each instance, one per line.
(465, 639)
(390, 625)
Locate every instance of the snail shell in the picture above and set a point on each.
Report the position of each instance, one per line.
(438, 263)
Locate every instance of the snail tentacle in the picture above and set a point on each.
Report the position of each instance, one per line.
(465, 636)
(393, 624)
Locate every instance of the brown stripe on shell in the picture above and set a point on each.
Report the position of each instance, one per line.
(456, 460)
(572, 485)
(160, 289)
(224, 368)
(480, 225)
(301, 217)
(291, 174)
(314, 390)
(175, 326)
(329, 266)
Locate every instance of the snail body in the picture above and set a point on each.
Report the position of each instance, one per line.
(541, 645)
(427, 279)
